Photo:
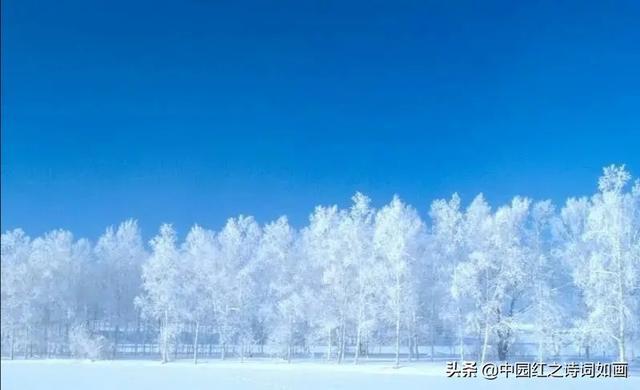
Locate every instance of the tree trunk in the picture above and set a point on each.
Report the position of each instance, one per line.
(163, 344)
(175, 350)
(433, 343)
(621, 323)
(413, 336)
(358, 340)
(586, 351)
(135, 345)
(410, 343)
(27, 342)
(398, 338)
(342, 340)
(115, 342)
(46, 340)
(503, 346)
(289, 341)
(485, 342)
(397, 319)
(195, 343)
(540, 349)
(621, 348)
(165, 337)
(329, 344)
(144, 340)
(13, 339)
(223, 335)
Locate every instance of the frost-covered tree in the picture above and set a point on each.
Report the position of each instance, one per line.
(198, 253)
(367, 273)
(235, 281)
(325, 249)
(353, 277)
(84, 345)
(466, 282)
(397, 235)
(571, 249)
(161, 283)
(607, 269)
(446, 250)
(495, 274)
(54, 272)
(44, 286)
(15, 294)
(544, 310)
(119, 254)
(82, 283)
(284, 274)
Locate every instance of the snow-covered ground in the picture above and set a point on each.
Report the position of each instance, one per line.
(124, 375)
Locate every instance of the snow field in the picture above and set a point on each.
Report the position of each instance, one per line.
(268, 375)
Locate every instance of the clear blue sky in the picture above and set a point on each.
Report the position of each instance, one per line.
(197, 110)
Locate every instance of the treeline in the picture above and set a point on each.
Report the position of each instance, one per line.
(477, 278)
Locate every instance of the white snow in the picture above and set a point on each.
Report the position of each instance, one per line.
(124, 375)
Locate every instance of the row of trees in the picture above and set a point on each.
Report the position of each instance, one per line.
(475, 278)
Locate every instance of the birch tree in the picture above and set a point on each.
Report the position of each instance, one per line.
(544, 311)
(198, 253)
(119, 254)
(397, 234)
(446, 246)
(356, 230)
(15, 296)
(572, 249)
(53, 272)
(608, 272)
(284, 274)
(236, 281)
(494, 276)
(324, 248)
(161, 285)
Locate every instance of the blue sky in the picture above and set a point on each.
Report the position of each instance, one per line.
(194, 111)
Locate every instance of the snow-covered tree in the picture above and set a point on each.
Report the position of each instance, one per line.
(356, 229)
(544, 310)
(15, 294)
(161, 283)
(325, 249)
(495, 274)
(199, 251)
(353, 277)
(571, 249)
(607, 267)
(84, 345)
(235, 281)
(466, 283)
(54, 272)
(397, 240)
(284, 274)
(119, 254)
(446, 250)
